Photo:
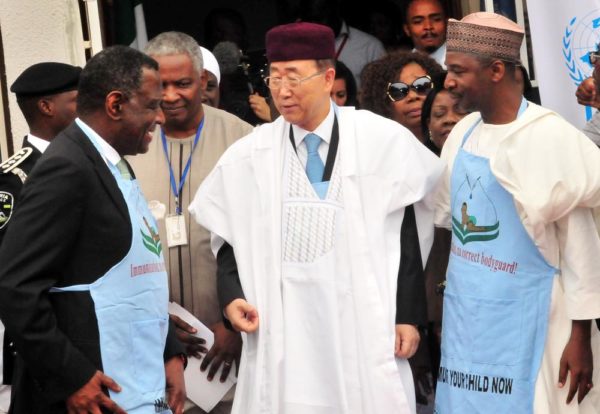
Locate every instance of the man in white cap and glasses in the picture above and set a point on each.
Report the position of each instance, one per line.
(522, 280)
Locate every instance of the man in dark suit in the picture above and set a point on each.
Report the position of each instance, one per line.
(47, 96)
(83, 291)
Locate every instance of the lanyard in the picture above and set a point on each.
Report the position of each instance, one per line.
(177, 189)
(339, 51)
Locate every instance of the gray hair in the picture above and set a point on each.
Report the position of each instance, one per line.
(176, 43)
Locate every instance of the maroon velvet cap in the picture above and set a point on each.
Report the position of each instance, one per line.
(298, 41)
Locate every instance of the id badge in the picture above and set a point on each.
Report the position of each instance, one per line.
(176, 234)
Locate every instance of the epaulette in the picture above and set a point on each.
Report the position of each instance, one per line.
(15, 160)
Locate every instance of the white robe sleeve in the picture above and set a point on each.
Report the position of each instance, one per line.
(549, 167)
(418, 173)
(579, 247)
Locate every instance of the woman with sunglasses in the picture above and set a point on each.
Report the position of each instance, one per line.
(396, 85)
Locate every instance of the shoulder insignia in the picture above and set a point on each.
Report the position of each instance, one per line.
(19, 173)
(7, 201)
(15, 160)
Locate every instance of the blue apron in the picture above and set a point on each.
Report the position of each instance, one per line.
(131, 302)
(496, 301)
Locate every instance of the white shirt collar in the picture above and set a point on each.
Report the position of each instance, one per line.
(108, 153)
(38, 143)
(323, 130)
(439, 55)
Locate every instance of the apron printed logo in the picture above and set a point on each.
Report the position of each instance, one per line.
(479, 225)
(6, 207)
(152, 241)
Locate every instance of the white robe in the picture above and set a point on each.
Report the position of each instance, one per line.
(553, 172)
(382, 169)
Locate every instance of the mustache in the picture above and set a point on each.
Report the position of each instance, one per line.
(428, 35)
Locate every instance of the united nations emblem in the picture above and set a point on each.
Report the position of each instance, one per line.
(582, 35)
(7, 201)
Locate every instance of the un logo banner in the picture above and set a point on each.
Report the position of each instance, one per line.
(562, 33)
(581, 36)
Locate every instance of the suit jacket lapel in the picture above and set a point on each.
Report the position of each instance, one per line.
(106, 178)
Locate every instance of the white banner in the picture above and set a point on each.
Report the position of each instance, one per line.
(563, 32)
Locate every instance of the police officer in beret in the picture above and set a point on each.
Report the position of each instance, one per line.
(46, 94)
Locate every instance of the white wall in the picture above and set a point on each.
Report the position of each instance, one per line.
(34, 31)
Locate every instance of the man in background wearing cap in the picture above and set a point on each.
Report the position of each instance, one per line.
(306, 215)
(517, 196)
(183, 152)
(47, 96)
(211, 94)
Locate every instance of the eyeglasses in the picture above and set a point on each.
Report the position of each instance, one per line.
(275, 83)
(399, 90)
(594, 57)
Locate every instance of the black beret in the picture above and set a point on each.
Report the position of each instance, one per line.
(46, 78)
(299, 41)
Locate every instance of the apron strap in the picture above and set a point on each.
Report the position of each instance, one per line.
(74, 288)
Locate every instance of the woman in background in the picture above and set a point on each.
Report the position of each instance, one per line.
(439, 115)
(396, 85)
(343, 92)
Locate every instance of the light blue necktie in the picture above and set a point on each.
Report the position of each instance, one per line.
(314, 164)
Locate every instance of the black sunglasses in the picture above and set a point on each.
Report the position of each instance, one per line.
(399, 90)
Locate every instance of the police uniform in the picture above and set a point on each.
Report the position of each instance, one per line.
(13, 173)
(39, 80)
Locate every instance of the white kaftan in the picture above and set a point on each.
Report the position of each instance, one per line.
(322, 273)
